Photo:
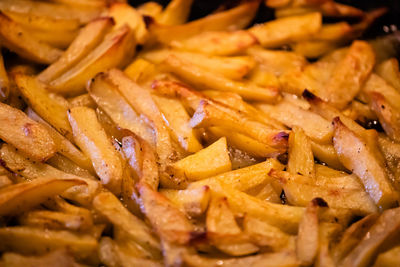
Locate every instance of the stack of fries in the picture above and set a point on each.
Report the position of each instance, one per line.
(217, 143)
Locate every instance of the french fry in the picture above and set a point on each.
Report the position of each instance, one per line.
(173, 226)
(25, 134)
(108, 205)
(52, 108)
(307, 238)
(314, 49)
(391, 152)
(224, 232)
(217, 43)
(326, 235)
(352, 236)
(19, 40)
(327, 154)
(62, 163)
(313, 125)
(30, 170)
(122, 14)
(286, 30)
(141, 70)
(205, 79)
(371, 170)
(177, 119)
(83, 4)
(59, 204)
(82, 100)
(381, 233)
(88, 38)
(114, 51)
(207, 115)
(151, 9)
(388, 258)
(176, 13)
(92, 139)
(233, 19)
(21, 197)
(193, 202)
(59, 40)
(65, 147)
(301, 158)
(106, 96)
(141, 158)
(350, 74)
(4, 81)
(205, 163)
(389, 70)
(234, 68)
(29, 240)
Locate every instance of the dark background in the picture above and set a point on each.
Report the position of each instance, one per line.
(201, 8)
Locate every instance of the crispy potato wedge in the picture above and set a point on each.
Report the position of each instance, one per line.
(369, 167)
(217, 43)
(301, 158)
(23, 196)
(176, 13)
(109, 206)
(30, 137)
(389, 70)
(350, 73)
(193, 202)
(92, 139)
(52, 108)
(29, 240)
(382, 232)
(30, 170)
(88, 38)
(207, 80)
(286, 30)
(233, 19)
(20, 41)
(173, 226)
(205, 163)
(115, 50)
(177, 119)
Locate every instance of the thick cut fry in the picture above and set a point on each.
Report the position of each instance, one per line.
(301, 158)
(207, 80)
(377, 84)
(389, 116)
(123, 13)
(141, 158)
(30, 137)
(177, 119)
(29, 240)
(223, 231)
(208, 115)
(389, 70)
(205, 163)
(52, 108)
(359, 157)
(21, 197)
(385, 230)
(193, 202)
(327, 154)
(92, 139)
(19, 40)
(233, 19)
(60, 258)
(217, 43)
(313, 125)
(176, 13)
(286, 30)
(350, 74)
(115, 50)
(108, 205)
(60, 39)
(88, 38)
(173, 226)
(307, 238)
(18, 164)
(107, 97)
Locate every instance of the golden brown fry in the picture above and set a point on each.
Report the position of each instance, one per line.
(92, 139)
(388, 258)
(4, 81)
(301, 158)
(56, 39)
(363, 160)
(21, 197)
(19, 40)
(30, 137)
(286, 30)
(88, 38)
(176, 13)
(389, 70)
(151, 9)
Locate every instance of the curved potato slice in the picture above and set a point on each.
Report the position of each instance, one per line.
(23, 196)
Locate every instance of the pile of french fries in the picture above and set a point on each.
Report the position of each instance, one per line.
(217, 143)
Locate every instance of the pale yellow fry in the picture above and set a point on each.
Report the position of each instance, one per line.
(301, 158)
(176, 13)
